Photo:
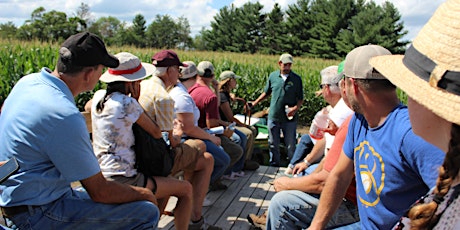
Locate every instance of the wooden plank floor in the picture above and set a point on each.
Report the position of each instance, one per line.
(250, 194)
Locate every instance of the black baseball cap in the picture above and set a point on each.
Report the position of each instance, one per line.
(86, 49)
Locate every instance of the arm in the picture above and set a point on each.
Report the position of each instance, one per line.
(316, 153)
(260, 98)
(294, 109)
(110, 192)
(312, 183)
(334, 190)
(149, 126)
(191, 130)
(227, 111)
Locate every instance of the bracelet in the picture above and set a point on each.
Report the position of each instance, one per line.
(306, 162)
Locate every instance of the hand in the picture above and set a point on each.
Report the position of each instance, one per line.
(178, 125)
(215, 140)
(331, 128)
(228, 132)
(281, 184)
(299, 167)
(251, 104)
(292, 111)
(134, 88)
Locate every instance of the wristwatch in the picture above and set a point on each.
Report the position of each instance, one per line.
(306, 162)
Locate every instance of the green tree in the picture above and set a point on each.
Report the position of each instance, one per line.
(376, 25)
(84, 14)
(138, 31)
(162, 32)
(183, 33)
(8, 30)
(106, 28)
(275, 38)
(299, 22)
(330, 17)
(219, 37)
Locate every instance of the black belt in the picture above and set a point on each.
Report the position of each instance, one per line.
(12, 211)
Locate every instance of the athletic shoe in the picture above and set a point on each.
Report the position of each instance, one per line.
(202, 224)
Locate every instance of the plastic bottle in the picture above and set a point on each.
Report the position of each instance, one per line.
(318, 125)
(286, 109)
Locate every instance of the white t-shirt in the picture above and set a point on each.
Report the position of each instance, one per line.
(113, 134)
(184, 103)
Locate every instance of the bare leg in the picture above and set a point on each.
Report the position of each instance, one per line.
(183, 191)
(200, 179)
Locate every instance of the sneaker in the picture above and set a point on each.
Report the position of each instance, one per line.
(258, 221)
(238, 174)
(207, 202)
(229, 177)
(251, 165)
(202, 224)
(217, 186)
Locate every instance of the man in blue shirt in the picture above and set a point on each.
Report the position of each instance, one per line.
(41, 126)
(285, 88)
(393, 166)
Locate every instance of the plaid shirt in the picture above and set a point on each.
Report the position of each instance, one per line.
(157, 103)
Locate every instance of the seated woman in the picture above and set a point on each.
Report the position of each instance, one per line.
(114, 111)
(246, 133)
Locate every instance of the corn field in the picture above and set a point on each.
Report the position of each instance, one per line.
(18, 59)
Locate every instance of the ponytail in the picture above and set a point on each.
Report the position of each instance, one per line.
(117, 86)
(423, 215)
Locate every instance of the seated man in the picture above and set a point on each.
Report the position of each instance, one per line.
(159, 106)
(299, 195)
(48, 136)
(308, 149)
(393, 166)
(207, 102)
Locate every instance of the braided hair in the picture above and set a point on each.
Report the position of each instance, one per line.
(116, 86)
(423, 215)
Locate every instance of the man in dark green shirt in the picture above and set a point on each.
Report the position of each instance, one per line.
(285, 88)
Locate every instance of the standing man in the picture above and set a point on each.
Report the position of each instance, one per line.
(286, 90)
(42, 128)
(393, 166)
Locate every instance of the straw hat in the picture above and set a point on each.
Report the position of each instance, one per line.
(130, 69)
(429, 72)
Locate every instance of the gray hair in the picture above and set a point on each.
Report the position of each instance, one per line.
(160, 71)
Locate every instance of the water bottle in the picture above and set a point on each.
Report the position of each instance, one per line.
(318, 125)
(286, 109)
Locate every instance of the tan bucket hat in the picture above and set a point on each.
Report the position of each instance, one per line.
(429, 72)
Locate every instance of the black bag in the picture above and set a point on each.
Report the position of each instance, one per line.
(153, 156)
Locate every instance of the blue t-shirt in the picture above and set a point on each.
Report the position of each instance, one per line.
(393, 167)
(41, 126)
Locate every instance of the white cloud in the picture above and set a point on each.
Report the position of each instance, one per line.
(200, 13)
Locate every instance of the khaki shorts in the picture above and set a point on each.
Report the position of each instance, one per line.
(139, 180)
(186, 156)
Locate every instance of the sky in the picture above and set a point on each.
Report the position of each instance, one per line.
(200, 13)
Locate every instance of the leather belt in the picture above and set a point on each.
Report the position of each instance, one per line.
(12, 211)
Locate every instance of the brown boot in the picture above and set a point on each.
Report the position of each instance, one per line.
(258, 221)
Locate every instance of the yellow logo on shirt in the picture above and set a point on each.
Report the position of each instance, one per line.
(372, 172)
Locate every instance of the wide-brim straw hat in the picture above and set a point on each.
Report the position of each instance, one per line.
(130, 69)
(429, 72)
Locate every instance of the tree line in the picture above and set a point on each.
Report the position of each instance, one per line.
(315, 28)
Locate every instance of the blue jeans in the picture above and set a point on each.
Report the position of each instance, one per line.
(303, 148)
(78, 211)
(221, 159)
(289, 133)
(241, 139)
(293, 209)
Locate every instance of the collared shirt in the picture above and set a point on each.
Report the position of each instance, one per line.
(157, 103)
(283, 92)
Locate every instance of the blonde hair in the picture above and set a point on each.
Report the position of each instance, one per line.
(223, 85)
(423, 215)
